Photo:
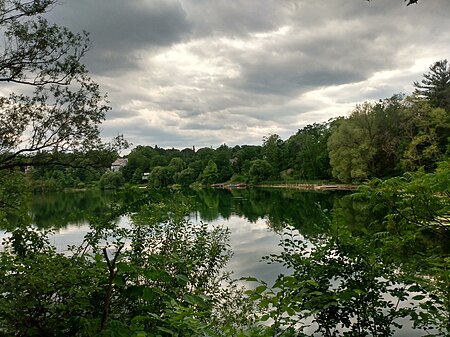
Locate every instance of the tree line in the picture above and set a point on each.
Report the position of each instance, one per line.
(377, 139)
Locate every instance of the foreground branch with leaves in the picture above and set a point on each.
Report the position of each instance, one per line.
(159, 275)
(369, 279)
(52, 104)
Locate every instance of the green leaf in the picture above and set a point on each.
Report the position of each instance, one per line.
(148, 294)
(193, 299)
(264, 303)
(290, 311)
(260, 289)
(119, 280)
(265, 317)
(418, 297)
(182, 278)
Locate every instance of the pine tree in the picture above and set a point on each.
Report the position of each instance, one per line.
(435, 85)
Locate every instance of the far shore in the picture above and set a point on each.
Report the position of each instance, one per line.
(317, 187)
(299, 186)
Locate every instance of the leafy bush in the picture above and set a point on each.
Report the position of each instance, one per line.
(160, 276)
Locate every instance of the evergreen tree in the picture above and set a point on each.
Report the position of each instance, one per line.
(435, 85)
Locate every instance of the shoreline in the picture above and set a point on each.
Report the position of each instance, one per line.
(297, 186)
(315, 187)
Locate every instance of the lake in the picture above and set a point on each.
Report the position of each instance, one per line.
(255, 218)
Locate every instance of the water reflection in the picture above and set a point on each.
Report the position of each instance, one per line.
(254, 216)
(59, 210)
(301, 209)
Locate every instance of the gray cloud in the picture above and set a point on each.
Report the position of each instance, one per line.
(233, 18)
(120, 29)
(200, 72)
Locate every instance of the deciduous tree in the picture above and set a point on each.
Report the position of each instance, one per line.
(210, 174)
(307, 150)
(260, 170)
(49, 102)
(352, 145)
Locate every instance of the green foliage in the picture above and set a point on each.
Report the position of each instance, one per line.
(210, 174)
(435, 85)
(417, 202)
(388, 138)
(185, 177)
(61, 107)
(45, 293)
(428, 134)
(308, 152)
(13, 199)
(160, 176)
(138, 159)
(111, 180)
(69, 170)
(260, 170)
(370, 279)
(161, 275)
(176, 165)
(51, 120)
(417, 207)
(272, 150)
(338, 282)
(352, 146)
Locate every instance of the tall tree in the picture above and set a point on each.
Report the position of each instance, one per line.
(49, 102)
(391, 140)
(222, 157)
(352, 145)
(210, 173)
(435, 85)
(260, 170)
(428, 130)
(272, 151)
(243, 157)
(307, 150)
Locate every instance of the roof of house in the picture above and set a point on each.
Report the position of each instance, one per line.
(120, 162)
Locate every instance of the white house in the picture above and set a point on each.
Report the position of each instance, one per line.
(118, 164)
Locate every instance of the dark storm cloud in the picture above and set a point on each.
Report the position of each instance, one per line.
(119, 29)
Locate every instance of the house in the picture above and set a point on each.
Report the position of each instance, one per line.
(118, 164)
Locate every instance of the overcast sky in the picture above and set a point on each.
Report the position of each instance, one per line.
(180, 73)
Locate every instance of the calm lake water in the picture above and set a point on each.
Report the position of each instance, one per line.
(255, 218)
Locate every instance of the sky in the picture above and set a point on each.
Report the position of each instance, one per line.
(183, 73)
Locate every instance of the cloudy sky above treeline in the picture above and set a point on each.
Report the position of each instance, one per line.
(183, 73)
